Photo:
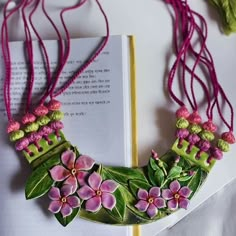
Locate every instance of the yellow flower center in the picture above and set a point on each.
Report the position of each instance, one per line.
(176, 196)
(150, 200)
(73, 171)
(63, 199)
(99, 192)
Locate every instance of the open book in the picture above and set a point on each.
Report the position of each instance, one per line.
(99, 118)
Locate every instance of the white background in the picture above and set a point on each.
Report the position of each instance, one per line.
(151, 23)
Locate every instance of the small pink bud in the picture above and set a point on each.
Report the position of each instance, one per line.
(191, 172)
(22, 144)
(177, 159)
(182, 112)
(195, 118)
(228, 137)
(13, 126)
(155, 155)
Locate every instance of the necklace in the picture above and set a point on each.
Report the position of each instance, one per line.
(78, 186)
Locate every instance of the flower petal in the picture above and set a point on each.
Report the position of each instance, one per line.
(93, 204)
(55, 206)
(66, 210)
(86, 192)
(175, 186)
(109, 186)
(183, 203)
(73, 182)
(154, 192)
(68, 159)
(108, 201)
(66, 190)
(142, 205)
(167, 194)
(84, 163)
(73, 201)
(95, 180)
(159, 202)
(82, 177)
(54, 193)
(142, 194)
(59, 173)
(172, 204)
(152, 211)
(185, 192)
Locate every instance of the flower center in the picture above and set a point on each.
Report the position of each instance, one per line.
(150, 200)
(176, 196)
(63, 199)
(99, 192)
(73, 171)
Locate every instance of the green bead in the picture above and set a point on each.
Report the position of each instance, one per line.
(182, 123)
(195, 129)
(43, 120)
(16, 135)
(223, 145)
(207, 135)
(31, 127)
(56, 115)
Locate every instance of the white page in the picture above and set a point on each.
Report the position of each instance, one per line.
(94, 123)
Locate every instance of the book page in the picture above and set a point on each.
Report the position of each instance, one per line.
(94, 122)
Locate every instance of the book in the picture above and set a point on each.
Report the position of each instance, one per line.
(99, 110)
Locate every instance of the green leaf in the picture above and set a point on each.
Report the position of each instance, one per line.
(123, 174)
(118, 212)
(38, 184)
(195, 182)
(159, 177)
(153, 164)
(40, 180)
(174, 172)
(135, 185)
(66, 220)
(185, 178)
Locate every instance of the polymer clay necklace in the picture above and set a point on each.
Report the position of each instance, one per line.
(76, 185)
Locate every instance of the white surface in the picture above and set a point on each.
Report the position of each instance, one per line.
(150, 22)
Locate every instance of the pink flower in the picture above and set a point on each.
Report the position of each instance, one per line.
(62, 201)
(150, 201)
(98, 193)
(74, 170)
(177, 196)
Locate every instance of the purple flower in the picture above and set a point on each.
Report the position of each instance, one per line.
(177, 196)
(62, 201)
(74, 169)
(98, 193)
(150, 201)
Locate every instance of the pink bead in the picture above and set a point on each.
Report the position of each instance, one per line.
(54, 105)
(28, 118)
(209, 126)
(193, 138)
(182, 112)
(228, 137)
(41, 110)
(195, 118)
(204, 145)
(22, 144)
(182, 133)
(34, 137)
(13, 126)
(217, 153)
(45, 131)
(56, 125)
